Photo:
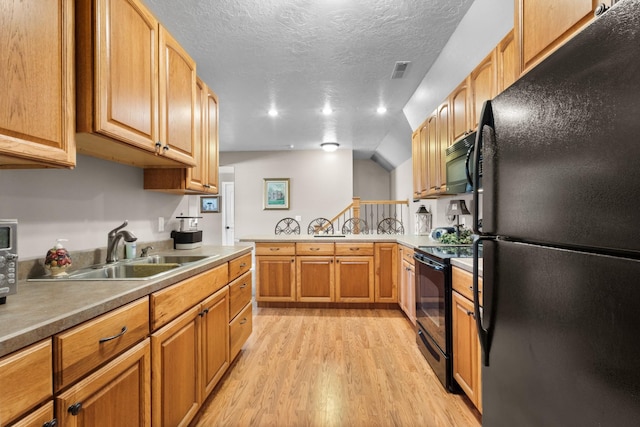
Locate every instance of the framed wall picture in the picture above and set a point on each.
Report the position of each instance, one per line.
(276, 193)
(209, 204)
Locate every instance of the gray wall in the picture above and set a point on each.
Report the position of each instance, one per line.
(371, 181)
(321, 185)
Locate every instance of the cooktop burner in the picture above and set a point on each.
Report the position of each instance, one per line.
(448, 251)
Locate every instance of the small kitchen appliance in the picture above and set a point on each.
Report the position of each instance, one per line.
(8, 258)
(188, 236)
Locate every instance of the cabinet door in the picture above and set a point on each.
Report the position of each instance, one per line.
(460, 111)
(116, 395)
(543, 25)
(354, 279)
(215, 339)
(177, 92)
(433, 171)
(175, 386)
(416, 159)
(465, 347)
(507, 62)
(27, 379)
(211, 142)
(315, 276)
(443, 142)
(482, 82)
(424, 159)
(196, 175)
(386, 272)
(275, 278)
(37, 101)
(126, 86)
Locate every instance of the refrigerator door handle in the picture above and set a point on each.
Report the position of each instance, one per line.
(486, 119)
(483, 333)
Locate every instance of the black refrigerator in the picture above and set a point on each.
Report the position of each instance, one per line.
(560, 234)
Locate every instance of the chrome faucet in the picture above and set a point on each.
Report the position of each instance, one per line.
(113, 238)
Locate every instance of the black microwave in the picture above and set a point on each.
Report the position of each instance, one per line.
(459, 163)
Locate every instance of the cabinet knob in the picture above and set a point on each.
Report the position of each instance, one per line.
(158, 144)
(52, 423)
(75, 408)
(165, 148)
(600, 9)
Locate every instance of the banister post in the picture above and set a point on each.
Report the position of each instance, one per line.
(356, 212)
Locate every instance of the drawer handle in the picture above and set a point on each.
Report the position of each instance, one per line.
(75, 408)
(203, 312)
(52, 423)
(122, 332)
(243, 321)
(471, 288)
(243, 265)
(354, 249)
(314, 249)
(274, 249)
(244, 285)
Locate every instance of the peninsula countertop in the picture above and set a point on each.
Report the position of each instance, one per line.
(42, 309)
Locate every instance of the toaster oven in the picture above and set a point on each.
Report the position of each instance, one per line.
(8, 258)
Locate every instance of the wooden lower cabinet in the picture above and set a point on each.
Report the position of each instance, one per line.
(215, 339)
(354, 279)
(27, 380)
(386, 272)
(315, 278)
(407, 293)
(240, 328)
(276, 278)
(116, 395)
(466, 346)
(175, 381)
(41, 417)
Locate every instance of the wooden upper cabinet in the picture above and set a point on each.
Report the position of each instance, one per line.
(135, 87)
(543, 25)
(416, 160)
(212, 142)
(443, 142)
(507, 62)
(37, 105)
(431, 145)
(482, 82)
(202, 178)
(177, 99)
(459, 111)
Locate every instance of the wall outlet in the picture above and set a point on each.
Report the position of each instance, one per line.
(160, 224)
(298, 218)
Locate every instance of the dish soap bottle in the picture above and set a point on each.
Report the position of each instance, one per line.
(57, 259)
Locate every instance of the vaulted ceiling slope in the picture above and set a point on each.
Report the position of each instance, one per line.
(301, 55)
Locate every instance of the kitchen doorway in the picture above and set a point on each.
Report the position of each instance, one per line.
(228, 207)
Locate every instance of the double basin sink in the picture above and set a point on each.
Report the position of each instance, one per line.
(146, 268)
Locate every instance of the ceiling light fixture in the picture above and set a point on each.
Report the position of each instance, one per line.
(329, 146)
(327, 111)
(381, 110)
(273, 112)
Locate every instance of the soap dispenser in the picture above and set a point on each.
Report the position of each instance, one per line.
(57, 259)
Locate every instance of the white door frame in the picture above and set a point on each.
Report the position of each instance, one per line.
(228, 215)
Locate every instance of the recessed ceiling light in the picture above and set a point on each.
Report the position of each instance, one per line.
(329, 146)
(381, 110)
(327, 110)
(273, 112)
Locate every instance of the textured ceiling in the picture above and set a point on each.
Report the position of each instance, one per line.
(300, 55)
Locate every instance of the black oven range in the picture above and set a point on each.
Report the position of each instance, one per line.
(433, 307)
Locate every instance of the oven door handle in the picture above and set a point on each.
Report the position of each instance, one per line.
(429, 263)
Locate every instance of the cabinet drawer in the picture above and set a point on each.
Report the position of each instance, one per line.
(314, 248)
(354, 248)
(275, 248)
(39, 417)
(171, 302)
(239, 266)
(407, 255)
(26, 378)
(88, 345)
(462, 281)
(239, 294)
(239, 330)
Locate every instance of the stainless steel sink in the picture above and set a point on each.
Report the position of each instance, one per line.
(146, 268)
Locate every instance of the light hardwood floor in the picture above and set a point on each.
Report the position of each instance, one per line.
(332, 367)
